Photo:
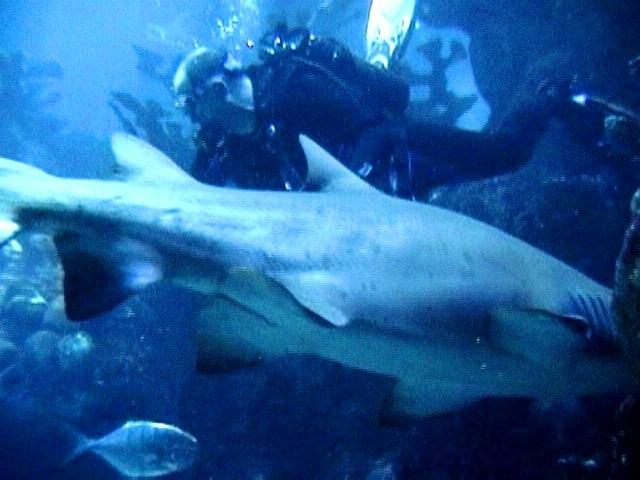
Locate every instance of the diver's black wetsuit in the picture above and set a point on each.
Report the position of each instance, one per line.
(318, 88)
(357, 112)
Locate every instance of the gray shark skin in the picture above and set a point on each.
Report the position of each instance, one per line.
(451, 308)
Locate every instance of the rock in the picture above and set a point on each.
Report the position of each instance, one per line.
(626, 292)
(73, 349)
(41, 347)
(55, 318)
(22, 312)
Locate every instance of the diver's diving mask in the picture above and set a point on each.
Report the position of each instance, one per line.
(206, 80)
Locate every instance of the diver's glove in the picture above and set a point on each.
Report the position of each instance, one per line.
(555, 94)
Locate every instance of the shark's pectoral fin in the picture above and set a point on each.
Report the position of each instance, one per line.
(319, 292)
(140, 162)
(327, 174)
(545, 339)
(100, 273)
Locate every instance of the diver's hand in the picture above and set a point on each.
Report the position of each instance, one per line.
(555, 92)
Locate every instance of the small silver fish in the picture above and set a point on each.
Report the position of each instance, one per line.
(142, 449)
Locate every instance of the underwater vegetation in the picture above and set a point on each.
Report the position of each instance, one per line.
(31, 133)
(25, 95)
(148, 119)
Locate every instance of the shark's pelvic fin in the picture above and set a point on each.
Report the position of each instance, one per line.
(318, 292)
(264, 296)
(138, 161)
(327, 173)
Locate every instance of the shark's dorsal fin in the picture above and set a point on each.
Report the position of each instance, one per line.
(138, 161)
(327, 173)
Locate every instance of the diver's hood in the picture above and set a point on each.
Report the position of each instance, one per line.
(204, 68)
(194, 71)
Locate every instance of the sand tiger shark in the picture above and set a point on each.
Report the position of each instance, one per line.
(451, 308)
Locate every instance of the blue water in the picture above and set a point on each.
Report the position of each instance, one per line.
(299, 417)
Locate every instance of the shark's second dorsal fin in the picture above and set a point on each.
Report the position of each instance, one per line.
(327, 173)
(138, 161)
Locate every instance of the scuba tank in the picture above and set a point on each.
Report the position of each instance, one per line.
(388, 25)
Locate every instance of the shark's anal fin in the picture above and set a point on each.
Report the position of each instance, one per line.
(101, 272)
(140, 162)
(327, 173)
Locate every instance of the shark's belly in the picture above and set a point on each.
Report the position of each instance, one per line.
(449, 302)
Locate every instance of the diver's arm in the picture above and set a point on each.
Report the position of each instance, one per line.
(446, 154)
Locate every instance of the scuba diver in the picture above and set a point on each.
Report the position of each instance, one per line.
(250, 118)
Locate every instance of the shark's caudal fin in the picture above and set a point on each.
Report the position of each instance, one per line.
(327, 173)
(102, 267)
(19, 185)
(101, 271)
(17, 182)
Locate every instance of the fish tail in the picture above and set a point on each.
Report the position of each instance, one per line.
(82, 445)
